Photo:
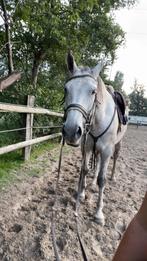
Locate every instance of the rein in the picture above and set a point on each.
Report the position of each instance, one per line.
(95, 138)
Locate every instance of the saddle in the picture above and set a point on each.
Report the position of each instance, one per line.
(121, 107)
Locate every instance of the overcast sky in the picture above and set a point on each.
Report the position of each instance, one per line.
(132, 58)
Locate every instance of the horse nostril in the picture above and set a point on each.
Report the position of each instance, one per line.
(79, 131)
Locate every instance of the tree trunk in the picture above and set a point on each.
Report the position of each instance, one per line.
(38, 58)
(5, 82)
(8, 38)
(35, 71)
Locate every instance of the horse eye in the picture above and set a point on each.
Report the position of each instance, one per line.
(93, 92)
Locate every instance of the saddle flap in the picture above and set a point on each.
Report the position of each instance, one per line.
(119, 99)
(121, 107)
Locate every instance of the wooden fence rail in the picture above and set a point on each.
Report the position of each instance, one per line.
(6, 107)
(24, 144)
(29, 110)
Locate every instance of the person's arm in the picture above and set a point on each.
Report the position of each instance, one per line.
(133, 246)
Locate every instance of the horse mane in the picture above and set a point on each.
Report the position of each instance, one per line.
(100, 89)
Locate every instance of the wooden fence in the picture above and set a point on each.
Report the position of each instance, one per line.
(29, 110)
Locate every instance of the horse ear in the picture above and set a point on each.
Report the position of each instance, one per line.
(97, 69)
(71, 65)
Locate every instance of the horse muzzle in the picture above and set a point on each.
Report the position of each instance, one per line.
(72, 135)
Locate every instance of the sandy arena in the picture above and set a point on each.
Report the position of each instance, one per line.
(25, 207)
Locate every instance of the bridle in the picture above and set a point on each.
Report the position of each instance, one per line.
(88, 115)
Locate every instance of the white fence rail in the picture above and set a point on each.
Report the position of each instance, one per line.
(138, 120)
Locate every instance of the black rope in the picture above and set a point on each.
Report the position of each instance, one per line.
(78, 198)
(95, 139)
(54, 211)
(101, 134)
(80, 242)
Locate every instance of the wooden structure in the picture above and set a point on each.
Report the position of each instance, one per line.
(9, 80)
(29, 110)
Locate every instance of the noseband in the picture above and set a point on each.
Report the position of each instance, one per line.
(75, 106)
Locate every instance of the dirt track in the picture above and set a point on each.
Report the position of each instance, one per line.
(25, 208)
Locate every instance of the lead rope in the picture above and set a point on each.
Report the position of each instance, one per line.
(78, 203)
(86, 132)
(54, 214)
(54, 210)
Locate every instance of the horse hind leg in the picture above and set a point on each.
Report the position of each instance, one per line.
(115, 156)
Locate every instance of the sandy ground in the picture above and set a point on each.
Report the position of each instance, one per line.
(25, 207)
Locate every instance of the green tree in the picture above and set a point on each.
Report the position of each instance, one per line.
(118, 81)
(137, 99)
(42, 31)
(41, 34)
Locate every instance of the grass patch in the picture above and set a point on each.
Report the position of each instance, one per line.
(9, 163)
(38, 149)
(12, 161)
(34, 172)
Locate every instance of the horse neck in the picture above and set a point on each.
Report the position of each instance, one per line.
(104, 108)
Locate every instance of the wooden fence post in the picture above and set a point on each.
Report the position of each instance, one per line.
(29, 125)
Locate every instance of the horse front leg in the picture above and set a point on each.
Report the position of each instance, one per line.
(94, 182)
(101, 180)
(83, 173)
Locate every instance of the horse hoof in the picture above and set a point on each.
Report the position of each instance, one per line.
(94, 187)
(76, 213)
(113, 179)
(99, 218)
(82, 196)
(99, 221)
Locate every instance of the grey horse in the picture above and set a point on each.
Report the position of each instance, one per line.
(90, 111)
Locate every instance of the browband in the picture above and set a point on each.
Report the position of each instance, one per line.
(81, 76)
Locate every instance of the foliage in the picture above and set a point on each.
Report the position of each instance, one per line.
(41, 34)
(118, 81)
(138, 101)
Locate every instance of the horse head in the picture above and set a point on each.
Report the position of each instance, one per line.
(80, 94)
